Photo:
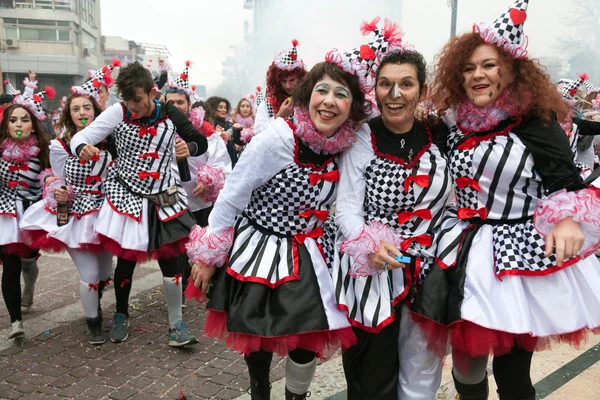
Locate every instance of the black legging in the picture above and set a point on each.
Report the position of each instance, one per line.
(512, 373)
(11, 283)
(259, 362)
(124, 277)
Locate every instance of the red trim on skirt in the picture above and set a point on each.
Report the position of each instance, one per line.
(317, 341)
(166, 251)
(474, 340)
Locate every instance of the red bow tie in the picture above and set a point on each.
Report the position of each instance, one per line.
(147, 130)
(14, 184)
(93, 178)
(406, 216)
(95, 157)
(423, 240)
(331, 176)
(146, 175)
(421, 180)
(468, 182)
(146, 155)
(321, 215)
(466, 213)
(469, 143)
(21, 167)
(315, 233)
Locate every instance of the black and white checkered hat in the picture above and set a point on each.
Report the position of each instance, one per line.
(364, 61)
(34, 104)
(182, 81)
(507, 31)
(10, 89)
(103, 76)
(591, 88)
(288, 59)
(570, 87)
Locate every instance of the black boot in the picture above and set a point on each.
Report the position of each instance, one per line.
(479, 391)
(293, 396)
(260, 390)
(94, 330)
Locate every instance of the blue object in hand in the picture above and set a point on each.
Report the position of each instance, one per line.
(403, 259)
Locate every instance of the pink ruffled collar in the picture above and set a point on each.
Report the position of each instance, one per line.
(246, 122)
(19, 153)
(317, 142)
(474, 119)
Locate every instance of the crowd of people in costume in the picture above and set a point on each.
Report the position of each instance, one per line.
(360, 206)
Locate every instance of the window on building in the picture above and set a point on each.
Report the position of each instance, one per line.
(66, 5)
(37, 29)
(44, 4)
(89, 42)
(6, 4)
(24, 3)
(11, 33)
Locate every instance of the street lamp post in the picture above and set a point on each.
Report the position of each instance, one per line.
(453, 4)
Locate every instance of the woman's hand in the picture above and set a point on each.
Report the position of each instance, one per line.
(567, 238)
(201, 275)
(88, 152)
(50, 179)
(181, 149)
(286, 109)
(239, 148)
(382, 258)
(61, 194)
(31, 75)
(237, 126)
(198, 190)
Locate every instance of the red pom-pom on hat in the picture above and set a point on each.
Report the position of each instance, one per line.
(368, 27)
(50, 92)
(193, 87)
(258, 88)
(294, 42)
(188, 63)
(583, 76)
(116, 62)
(6, 81)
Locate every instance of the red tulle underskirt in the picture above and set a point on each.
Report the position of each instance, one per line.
(194, 293)
(216, 328)
(473, 340)
(40, 240)
(166, 251)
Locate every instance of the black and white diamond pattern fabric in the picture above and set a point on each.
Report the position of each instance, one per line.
(379, 45)
(18, 184)
(87, 181)
(327, 241)
(270, 109)
(519, 249)
(507, 28)
(277, 205)
(461, 166)
(119, 197)
(591, 88)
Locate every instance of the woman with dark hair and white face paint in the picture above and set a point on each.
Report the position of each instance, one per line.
(393, 188)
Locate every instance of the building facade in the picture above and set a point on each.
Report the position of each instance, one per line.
(60, 40)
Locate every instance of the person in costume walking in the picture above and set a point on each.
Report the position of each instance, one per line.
(24, 154)
(515, 267)
(145, 214)
(394, 185)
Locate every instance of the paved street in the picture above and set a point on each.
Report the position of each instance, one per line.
(55, 361)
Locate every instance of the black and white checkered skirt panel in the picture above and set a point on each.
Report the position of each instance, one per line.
(276, 206)
(21, 183)
(88, 182)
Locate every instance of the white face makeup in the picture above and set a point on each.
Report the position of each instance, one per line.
(82, 112)
(329, 105)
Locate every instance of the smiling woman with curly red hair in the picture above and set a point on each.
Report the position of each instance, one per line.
(285, 73)
(513, 268)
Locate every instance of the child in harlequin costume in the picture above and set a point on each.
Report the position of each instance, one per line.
(81, 184)
(209, 170)
(284, 74)
(145, 214)
(266, 236)
(515, 268)
(393, 187)
(24, 154)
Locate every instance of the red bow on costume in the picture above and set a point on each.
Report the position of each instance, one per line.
(468, 144)
(20, 167)
(148, 130)
(406, 216)
(90, 179)
(321, 215)
(315, 233)
(145, 175)
(423, 240)
(14, 184)
(421, 180)
(177, 279)
(125, 282)
(95, 157)
(146, 155)
(94, 286)
(331, 176)
(466, 213)
(468, 182)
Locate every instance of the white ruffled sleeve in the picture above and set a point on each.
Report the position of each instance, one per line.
(100, 128)
(262, 119)
(58, 157)
(358, 239)
(218, 156)
(262, 159)
(583, 206)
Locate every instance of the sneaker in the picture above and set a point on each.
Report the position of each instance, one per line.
(180, 336)
(16, 330)
(119, 332)
(94, 331)
(26, 302)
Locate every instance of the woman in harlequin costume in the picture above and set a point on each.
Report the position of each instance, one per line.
(513, 269)
(24, 154)
(266, 238)
(285, 73)
(145, 215)
(81, 184)
(393, 188)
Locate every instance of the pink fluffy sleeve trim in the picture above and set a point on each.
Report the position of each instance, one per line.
(209, 248)
(213, 179)
(49, 190)
(365, 243)
(583, 206)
